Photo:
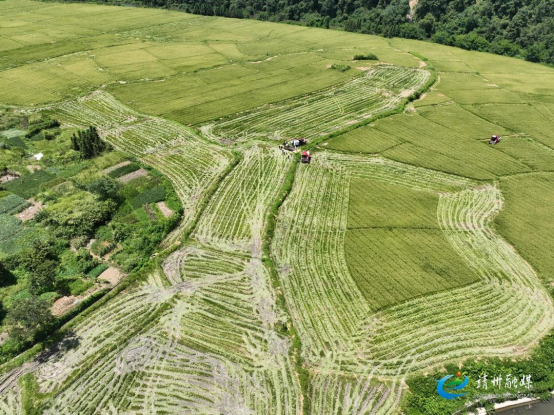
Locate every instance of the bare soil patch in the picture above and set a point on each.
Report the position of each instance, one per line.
(167, 212)
(112, 275)
(128, 177)
(31, 211)
(363, 68)
(8, 177)
(64, 304)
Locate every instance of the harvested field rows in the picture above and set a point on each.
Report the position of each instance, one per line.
(333, 394)
(200, 341)
(324, 302)
(10, 401)
(389, 171)
(191, 164)
(504, 312)
(234, 219)
(380, 89)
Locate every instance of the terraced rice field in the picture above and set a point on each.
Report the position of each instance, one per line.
(151, 351)
(189, 162)
(380, 89)
(342, 331)
(234, 218)
(383, 257)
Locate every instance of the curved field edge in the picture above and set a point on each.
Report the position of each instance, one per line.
(381, 91)
(337, 329)
(363, 394)
(190, 163)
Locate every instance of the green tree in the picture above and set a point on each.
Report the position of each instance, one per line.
(427, 24)
(534, 53)
(6, 277)
(471, 41)
(504, 47)
(41, 263)
(443, 38)
(88, 143)
(105, 187)
(28, 317)
(43, 276)
(411, 31)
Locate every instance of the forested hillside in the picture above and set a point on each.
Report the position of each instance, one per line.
(523, 28)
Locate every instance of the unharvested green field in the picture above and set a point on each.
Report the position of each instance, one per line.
(527, 222)
(291, 288)
(376, 204)
(391, 266)
(476, 96)
(188, 68)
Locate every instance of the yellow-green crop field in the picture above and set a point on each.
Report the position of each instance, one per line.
(292, 288)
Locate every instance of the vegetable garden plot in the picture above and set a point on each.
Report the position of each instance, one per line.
(378, 90)
(9, 226)
(190, 164)
(234, 219)
(11, 204)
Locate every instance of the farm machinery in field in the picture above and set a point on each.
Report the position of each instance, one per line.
(293, 144)
(495, 139)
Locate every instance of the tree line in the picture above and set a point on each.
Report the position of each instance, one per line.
(522, 28)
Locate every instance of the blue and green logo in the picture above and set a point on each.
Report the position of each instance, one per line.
(448, 389)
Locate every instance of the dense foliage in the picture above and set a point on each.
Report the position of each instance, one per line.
(88, 143)
(28, 317)
(53, 211)
(507, 27)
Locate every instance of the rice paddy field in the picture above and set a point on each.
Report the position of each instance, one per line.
(291, 288)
